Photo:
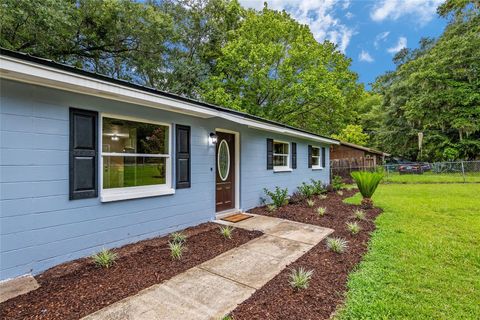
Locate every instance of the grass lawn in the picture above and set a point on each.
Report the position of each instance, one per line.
(424, 257)
(430, 177)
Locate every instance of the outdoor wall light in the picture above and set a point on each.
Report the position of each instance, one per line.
(213, 138)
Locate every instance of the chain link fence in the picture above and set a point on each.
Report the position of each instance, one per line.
(424, 172)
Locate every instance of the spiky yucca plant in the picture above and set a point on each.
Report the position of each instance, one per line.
(105, 258)
(367, 183)
(300, 278)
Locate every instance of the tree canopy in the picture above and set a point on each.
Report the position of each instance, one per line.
(434, 93)
(267, 64)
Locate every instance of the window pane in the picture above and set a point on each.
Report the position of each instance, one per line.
(315, 152)
(119, 172)
(280, 161)
(315, 161)
(279, 147)
(125, 136)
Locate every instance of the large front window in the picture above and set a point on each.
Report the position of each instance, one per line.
(134, 154)
(281, 155)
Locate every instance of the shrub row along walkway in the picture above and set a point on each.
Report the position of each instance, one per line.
(214, 288)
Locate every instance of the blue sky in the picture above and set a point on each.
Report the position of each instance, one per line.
(370, 32)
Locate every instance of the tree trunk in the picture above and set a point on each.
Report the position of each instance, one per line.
(367, 203)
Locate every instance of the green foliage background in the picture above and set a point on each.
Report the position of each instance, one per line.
(266, 63)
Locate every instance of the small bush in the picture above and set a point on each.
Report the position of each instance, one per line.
(318, 186)
(271, 207)
(279, 196)
(337, 183)
(178, 237)
(105, 258)
(306, 190)
(321, 211)
(367, 183)
(176, 250)
(226, 231)
(353, 227)
(300, 278)
(337, 245)
(322, 197)
(359, 214)
(310, 202)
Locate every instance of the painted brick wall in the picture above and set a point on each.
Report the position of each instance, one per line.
(40, 227)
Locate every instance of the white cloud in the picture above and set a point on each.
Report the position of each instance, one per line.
(423, 10)
(365, 56)
(349, 15)
(320, 16)
(401, 43)
(381, 37)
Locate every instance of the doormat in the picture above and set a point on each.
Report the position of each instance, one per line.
(236, 217)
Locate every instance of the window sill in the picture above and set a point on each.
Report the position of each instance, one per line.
(317, 168)
(134, 194)
(283, 170)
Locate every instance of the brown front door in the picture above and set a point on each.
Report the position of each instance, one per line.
(225, 168)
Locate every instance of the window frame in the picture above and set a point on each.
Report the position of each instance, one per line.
(124, 193)
(319, 166)
(288, 155)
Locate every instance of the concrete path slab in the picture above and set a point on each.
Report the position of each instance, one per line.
(215, 287)
(194, 294)
(14, 287)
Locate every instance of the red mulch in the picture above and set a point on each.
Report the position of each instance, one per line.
(277, 300)
(78, 288)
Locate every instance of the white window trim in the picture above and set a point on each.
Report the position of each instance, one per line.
(319, 166)
(125, 193)
(288, 155)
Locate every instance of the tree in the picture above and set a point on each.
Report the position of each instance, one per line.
(435, 90)
(274, 68)
(353, 134)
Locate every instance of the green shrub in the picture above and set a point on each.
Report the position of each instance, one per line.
(359, 214)
(337, 183)
(367, 183)
(226, 231)
(337, 245)
(321, 211)
(353, 227)
(105, 258)
(318, 186)
(279, 196)
(300, 278)
(305, 190)
(310, 202)
(176, 250)
(178, 237)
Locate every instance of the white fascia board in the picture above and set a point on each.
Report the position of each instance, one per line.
(25, 71)
(34, 73)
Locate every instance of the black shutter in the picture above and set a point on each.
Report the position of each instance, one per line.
(323, 157)
(294, 155)
(269, 154)
(309, 156)
(182, 157)
(83, 162)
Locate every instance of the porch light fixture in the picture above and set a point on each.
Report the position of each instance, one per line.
(213, 138)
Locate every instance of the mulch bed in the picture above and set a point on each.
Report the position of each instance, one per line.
(277, 300)
(76, 289)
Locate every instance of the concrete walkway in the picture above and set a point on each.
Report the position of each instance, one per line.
(215, 287)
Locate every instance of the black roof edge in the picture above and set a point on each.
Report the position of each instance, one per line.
(65, 67)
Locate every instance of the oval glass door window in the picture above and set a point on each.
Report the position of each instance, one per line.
(223, 160)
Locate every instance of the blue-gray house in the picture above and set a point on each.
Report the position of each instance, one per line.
(90, 162)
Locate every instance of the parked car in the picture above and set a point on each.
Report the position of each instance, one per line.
(411, 168)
